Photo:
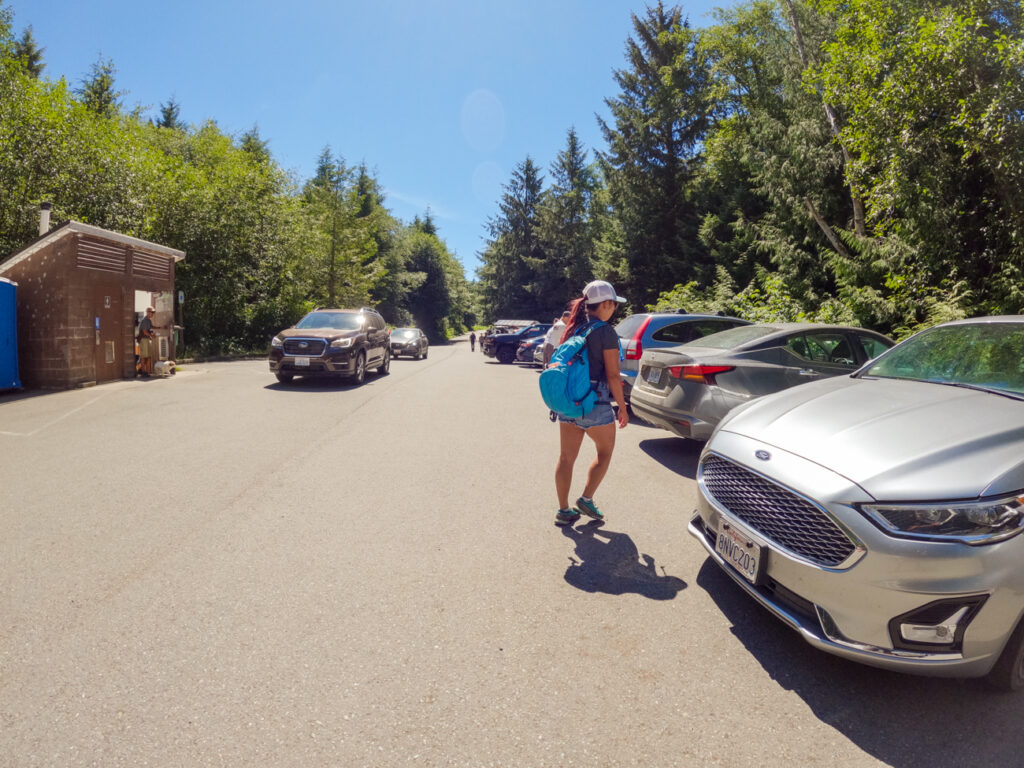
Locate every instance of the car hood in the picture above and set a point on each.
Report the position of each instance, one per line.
(898, 440)
(316, 333)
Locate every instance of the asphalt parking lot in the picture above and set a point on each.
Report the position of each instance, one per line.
(216, 569)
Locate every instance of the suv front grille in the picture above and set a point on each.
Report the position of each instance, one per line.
(312, 348)
(776, 513)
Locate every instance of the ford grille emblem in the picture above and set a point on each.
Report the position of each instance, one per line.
(762, 455)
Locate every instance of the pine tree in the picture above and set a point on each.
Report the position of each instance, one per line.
(170, 116)
(29, 53)
(659, 122)
(514, 253)
(97, 91)
(567, 230)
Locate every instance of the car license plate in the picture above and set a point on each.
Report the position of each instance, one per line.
(654, 375)
(739, 551)
(302, 362)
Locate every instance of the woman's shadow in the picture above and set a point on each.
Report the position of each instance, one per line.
(609, 562)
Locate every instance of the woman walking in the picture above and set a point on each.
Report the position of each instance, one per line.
(590, 315)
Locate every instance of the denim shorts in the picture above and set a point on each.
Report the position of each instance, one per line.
(601, 416)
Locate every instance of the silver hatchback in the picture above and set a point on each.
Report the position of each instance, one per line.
(880, 514)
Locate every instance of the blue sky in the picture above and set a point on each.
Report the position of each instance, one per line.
(440, 98)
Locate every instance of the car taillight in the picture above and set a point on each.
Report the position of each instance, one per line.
(702, 373)
(634, 349)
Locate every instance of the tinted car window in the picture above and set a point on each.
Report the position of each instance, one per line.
(630, 325)
(872, 347)
(677, 333)
(822, 347)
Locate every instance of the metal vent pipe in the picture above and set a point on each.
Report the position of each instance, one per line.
(44, 217)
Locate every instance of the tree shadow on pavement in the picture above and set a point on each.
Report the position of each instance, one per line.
(609, 562)
(904, 721)
(675, 453)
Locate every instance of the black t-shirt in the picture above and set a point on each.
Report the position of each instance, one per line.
(601, 338)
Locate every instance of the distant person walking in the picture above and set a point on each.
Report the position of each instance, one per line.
(472, 341)
(554, 338)
(592, 310)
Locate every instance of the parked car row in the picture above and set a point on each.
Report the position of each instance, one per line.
(870, 496)
(502, 341)
(342, 343)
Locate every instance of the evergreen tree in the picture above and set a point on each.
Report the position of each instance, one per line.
(659, 122)
(29, 53)
(346, 273)
(514, 253)
(567, 229)
(170, 116)
(97, 91)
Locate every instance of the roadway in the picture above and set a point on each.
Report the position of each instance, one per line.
(218, 570)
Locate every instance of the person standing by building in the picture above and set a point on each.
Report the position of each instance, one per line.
(553, 338)
(598, 303)
(146, 338)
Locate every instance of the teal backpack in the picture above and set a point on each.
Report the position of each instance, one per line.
(565, 385)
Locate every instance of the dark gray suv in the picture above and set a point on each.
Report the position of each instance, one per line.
(332, 342)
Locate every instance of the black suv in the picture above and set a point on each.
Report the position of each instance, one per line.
(332, 342)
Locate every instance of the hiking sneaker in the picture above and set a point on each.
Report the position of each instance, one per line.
(566, 517)
(588, 508)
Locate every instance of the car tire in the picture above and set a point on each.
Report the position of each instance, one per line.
(1008, 673)
(385, 367)
(425, 353)
(359, 375)
(506, 355)
(284, 378)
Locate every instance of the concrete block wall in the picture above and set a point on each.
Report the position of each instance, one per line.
(42, 316)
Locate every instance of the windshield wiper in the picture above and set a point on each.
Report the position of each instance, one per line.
(961, 384)
(980, 388)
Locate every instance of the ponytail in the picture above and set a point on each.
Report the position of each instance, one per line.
(577, 317)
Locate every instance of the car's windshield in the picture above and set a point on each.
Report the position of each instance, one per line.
(338, 321)
(987, 355)
(404, 333)
(733, 337)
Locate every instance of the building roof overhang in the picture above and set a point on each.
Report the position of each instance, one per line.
(77, 227)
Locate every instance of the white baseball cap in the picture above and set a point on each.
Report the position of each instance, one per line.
(600, 290)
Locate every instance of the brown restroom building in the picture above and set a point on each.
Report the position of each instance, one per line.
(76, 304)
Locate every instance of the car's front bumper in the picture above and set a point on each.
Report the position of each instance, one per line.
(850, 610)
(341, 363)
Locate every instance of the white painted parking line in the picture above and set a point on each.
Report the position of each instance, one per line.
(57, 420)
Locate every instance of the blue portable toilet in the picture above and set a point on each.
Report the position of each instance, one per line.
(8, 335)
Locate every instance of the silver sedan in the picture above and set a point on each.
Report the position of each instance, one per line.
(688, 389)
(880, 514)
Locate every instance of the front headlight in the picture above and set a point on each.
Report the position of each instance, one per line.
(277, 342)
(341, 343)
(976, 522)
